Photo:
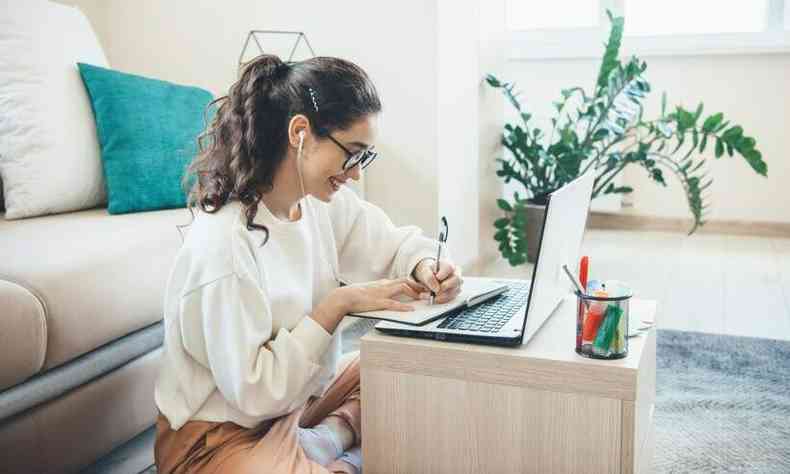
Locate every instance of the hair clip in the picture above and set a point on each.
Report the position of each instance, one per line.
(312, 96)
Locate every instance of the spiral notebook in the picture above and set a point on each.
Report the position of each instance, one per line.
(474, 291)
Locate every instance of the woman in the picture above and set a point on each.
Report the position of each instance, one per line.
(252, 379)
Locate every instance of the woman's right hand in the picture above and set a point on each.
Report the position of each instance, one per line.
(371, 296)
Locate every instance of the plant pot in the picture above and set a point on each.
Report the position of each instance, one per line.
(536, 213)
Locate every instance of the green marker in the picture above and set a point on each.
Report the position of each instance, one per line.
(606, 332)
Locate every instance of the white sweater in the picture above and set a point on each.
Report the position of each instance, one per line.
(239, 343)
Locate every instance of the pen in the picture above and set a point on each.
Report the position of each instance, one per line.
(576, 284)
(442, 239)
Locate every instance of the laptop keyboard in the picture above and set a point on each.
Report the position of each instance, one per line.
(490, 315)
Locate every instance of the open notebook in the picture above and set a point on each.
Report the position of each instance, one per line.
(474, 291)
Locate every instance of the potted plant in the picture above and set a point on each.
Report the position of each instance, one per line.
(605, 131)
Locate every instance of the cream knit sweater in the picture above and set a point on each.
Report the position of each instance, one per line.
(240, 344)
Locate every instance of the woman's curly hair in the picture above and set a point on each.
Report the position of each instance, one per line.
(247, 137)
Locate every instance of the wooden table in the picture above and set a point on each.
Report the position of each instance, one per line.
(431, 406)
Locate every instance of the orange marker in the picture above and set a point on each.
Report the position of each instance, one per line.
(594, 318)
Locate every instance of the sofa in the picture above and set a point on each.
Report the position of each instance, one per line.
(81, 296)
(81, 290)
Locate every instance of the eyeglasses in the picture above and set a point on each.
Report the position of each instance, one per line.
(363, 158)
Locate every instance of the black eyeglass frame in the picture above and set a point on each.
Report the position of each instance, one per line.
(363, 158)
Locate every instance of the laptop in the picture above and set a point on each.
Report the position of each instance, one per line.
(512, 318)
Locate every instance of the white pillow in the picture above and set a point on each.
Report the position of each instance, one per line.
(49, 151)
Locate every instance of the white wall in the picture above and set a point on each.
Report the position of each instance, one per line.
(751, 90)
(457, 85)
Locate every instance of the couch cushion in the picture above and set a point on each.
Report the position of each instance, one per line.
(148, 133)
(50, 154)
(68, 434)
(23, 334)
(98, 276)
(56, 382)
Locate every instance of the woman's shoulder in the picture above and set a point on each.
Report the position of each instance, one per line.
(213, 227)
(217, 240)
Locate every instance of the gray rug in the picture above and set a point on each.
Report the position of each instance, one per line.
(722, 404)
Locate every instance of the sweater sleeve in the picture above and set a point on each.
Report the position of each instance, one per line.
(370, 246)
(227, 327)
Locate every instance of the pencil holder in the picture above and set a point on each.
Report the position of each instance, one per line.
(602, 320)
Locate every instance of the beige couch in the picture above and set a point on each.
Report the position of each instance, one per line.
(80, 330)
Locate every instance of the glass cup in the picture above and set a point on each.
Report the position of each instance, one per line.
(602, 320)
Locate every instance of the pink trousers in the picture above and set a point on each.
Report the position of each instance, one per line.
(204, 447)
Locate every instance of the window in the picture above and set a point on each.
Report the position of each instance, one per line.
(672, 17)
(553, 14)
(577, 28)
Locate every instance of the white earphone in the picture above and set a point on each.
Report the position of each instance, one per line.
(309, 206)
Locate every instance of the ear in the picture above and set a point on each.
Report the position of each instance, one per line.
(298, 124)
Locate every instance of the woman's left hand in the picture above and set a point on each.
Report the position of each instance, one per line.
(446, 282)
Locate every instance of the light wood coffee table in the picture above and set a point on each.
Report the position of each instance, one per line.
(436, 407)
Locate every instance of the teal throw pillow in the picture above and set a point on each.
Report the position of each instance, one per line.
(148, 133)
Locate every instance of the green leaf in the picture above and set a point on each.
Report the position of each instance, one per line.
(600, 134)
(493, 81)
(501, 223)
(721, 126)
(747, 143)
(612, 51)
(719, 147)
(703, 143)
(504, 205)
(755, 160)
(681, 141)
(732, 134)
(501, 234)
(612, 189)
(663, 104)
(698, 112)
(712, 122)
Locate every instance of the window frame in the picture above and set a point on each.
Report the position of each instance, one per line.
(588, 42)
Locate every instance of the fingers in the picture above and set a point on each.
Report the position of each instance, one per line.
(402, 287)
(416, 285)
(451, 283)
(392, 305)
(450, 288)
(447, 296)
(446, 270)
(432, 283)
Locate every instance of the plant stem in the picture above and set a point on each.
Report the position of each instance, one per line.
(611, 176)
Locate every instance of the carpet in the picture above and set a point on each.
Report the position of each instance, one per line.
(722, 403)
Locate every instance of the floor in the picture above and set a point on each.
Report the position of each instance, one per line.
(738, 285)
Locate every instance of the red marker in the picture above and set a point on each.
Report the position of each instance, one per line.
(583, 271)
